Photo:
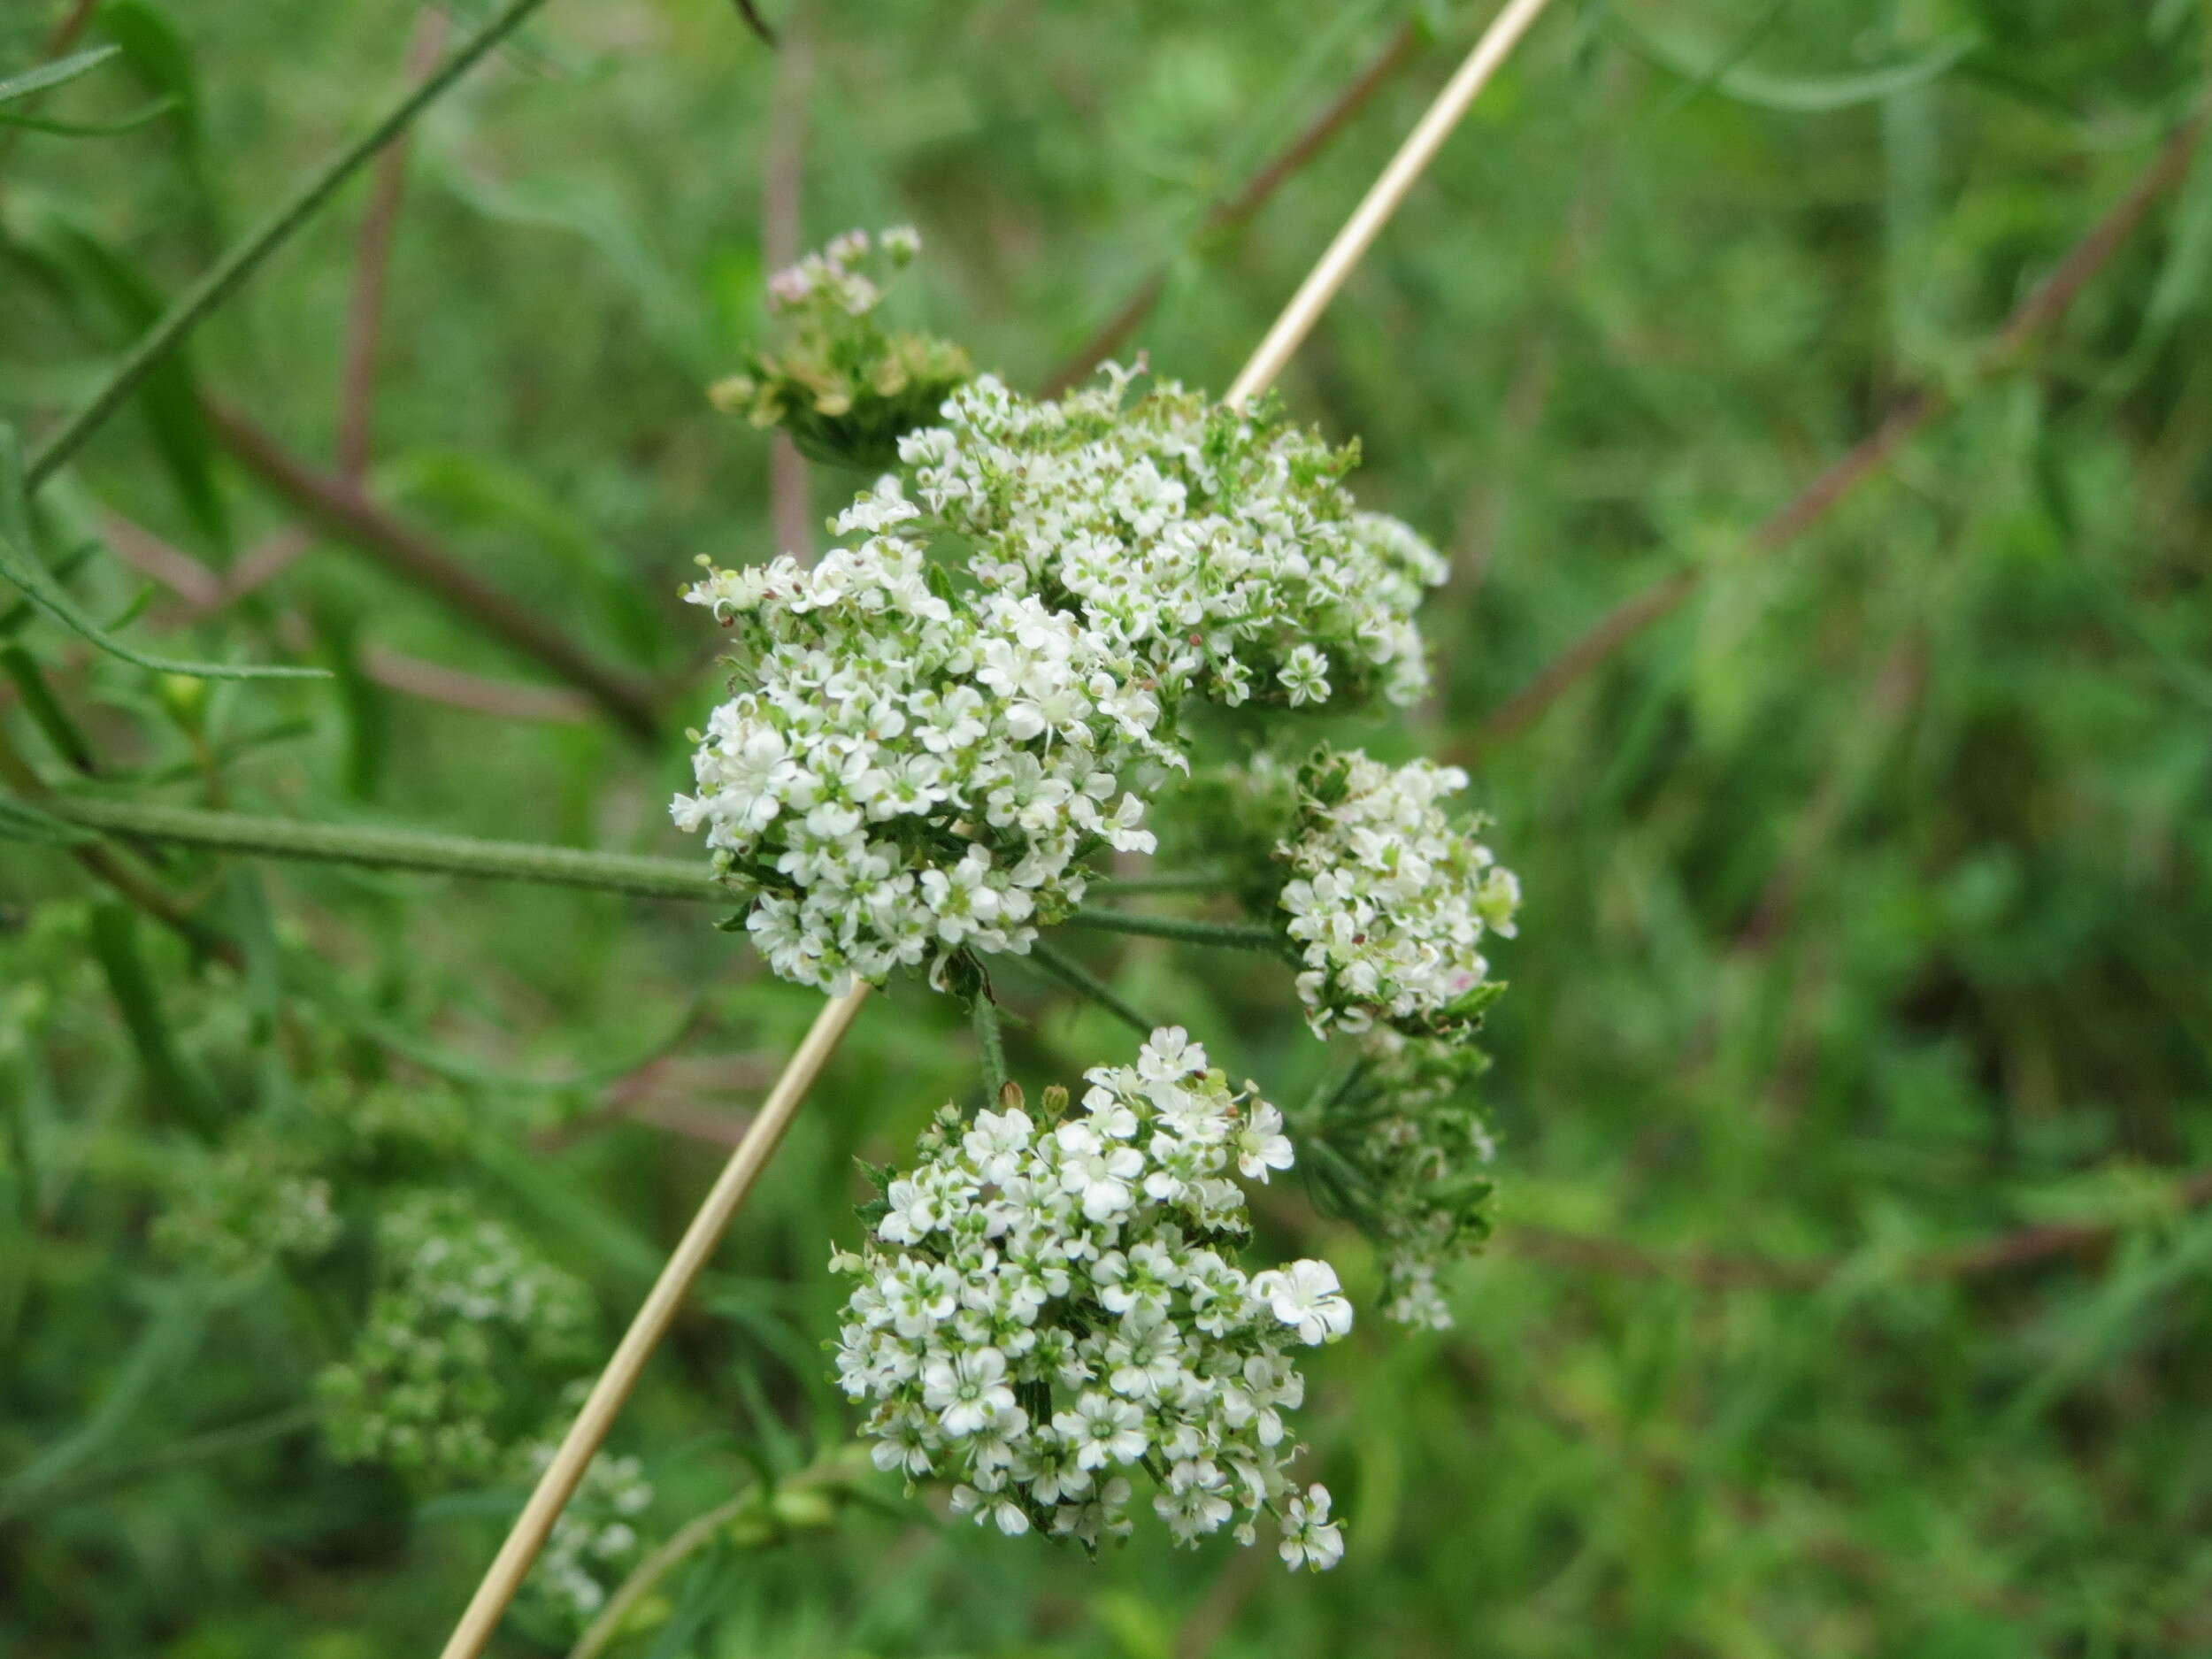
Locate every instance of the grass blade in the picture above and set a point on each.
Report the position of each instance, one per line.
(61, 70)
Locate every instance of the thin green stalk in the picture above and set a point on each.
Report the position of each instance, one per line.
(1079, 979)
(112, 865)
(991, 1040)
(214, 1443)
(1224, 935)
(389, 848)
(234, 268)
(693, 1535)
(174, 1086)
(1181, 881)
(45, 709)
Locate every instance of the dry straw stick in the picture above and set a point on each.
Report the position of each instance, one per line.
(578, 1447)
(580, 1444)
(1382, 199)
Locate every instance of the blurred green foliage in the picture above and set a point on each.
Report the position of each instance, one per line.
(1867, 895)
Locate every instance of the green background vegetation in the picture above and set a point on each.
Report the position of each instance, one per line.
(1848, 1296)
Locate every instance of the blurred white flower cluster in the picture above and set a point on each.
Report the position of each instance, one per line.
(594, 1537)
(464, 1318)
(1051, 1304)
(1390, 900)
(251, 1205)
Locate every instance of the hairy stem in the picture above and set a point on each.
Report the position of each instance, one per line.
(230, 273)
(253, 835)
(1072, 973)
(1224, 935)
(990, 1041)
(114, 868)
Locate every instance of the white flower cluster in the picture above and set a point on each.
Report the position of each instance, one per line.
(595, 1535)
(1390, 900)
(1217, 544)
(918, 766)
(1423, 1153)
(911, 771)
(467, 1324)
(1049, 1304)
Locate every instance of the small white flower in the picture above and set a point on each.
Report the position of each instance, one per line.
(1306, 1295)
(1306, 676)
(1310, 1539)
(968, 1390)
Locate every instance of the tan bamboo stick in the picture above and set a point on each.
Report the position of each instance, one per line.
(578, 1447)
(1383, 197)
(580, 1444)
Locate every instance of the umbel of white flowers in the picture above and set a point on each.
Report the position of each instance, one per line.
(1389, 900)
(916, 761)
(1051, 1305)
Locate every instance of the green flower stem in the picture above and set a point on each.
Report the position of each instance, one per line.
(692, 1536)
(241, 262)
(110, 865)
(818, 1489)
(990, 1039)
(214, 1443)
(1079, 979)
(389, 848)
(1184, 881)
(1225, 935)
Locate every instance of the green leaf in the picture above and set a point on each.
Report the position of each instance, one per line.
(38, 585)
(22, 822)
(361, 700)
(120, 124)
(22, 569)
(124, 304)
(588, 212)
(176, 1088)
(157, 55)
(44, 709)
(500, 500)
(61, 70)
(163, 1352)
(1795, 94)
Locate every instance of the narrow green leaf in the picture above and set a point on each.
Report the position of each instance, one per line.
(158, 56)
(125, 303)
(1795, 95)
(159, 1357)
(38, 585)
(119, 125)
(487, 496)
(61, 70)
(363, 702)
(22, 569)
(44, 707)
(176, 1088)
(21, 821)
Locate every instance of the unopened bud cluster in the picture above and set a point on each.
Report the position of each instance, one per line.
(842, 385)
